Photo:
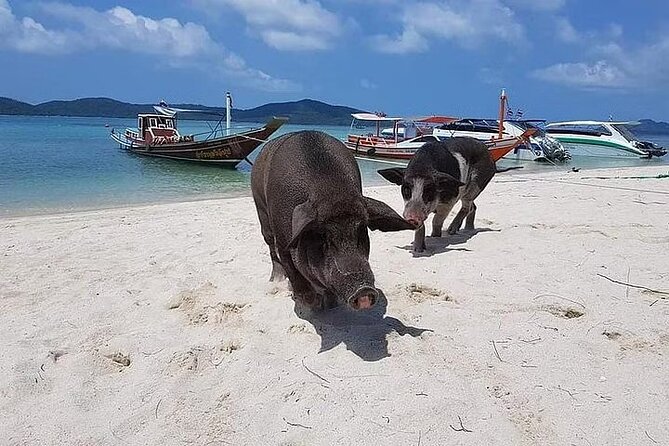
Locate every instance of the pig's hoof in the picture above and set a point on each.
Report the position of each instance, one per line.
(452, 231)
(419, 249)
(436, 233)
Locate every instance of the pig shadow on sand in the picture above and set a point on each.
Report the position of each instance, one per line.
(445, 243)
(363, 332)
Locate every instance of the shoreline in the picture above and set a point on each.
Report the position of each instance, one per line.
(247, 192)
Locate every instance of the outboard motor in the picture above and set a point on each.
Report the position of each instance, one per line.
(553, 150)
(650, 148)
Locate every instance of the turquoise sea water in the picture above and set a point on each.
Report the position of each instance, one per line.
(56, 164)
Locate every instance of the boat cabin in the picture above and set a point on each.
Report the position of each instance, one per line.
(157, 129)
(580, 128)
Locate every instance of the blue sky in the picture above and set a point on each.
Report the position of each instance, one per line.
(558, 59)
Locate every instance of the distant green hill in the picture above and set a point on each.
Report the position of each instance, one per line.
(306, 111)
(650, 127)
(13, 107)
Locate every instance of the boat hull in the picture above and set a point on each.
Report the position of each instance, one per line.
(227, 150)
(603, 148)
(497, 148)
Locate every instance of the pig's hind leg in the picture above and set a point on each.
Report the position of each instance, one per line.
(278, 272)
(468, 209)
(460, 216)
(439, 217)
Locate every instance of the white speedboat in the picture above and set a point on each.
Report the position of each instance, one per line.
(602, 138)
(540, 147)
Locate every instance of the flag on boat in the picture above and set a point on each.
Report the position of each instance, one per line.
(519, 113)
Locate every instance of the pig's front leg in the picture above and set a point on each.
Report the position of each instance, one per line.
(303, 292)
(419, 239)
(278, 273)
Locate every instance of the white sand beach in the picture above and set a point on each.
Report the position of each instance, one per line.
(156, 325)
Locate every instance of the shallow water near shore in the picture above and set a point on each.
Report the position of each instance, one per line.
(60, 164)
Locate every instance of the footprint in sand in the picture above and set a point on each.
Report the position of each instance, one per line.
(186, 361)
(119, 358)
(563, 312)
(630, 343)
(193, 303)
(421, 293)
(224, 352)
(299, 329)
(196, 358)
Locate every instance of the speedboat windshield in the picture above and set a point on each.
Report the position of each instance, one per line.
(625, 132)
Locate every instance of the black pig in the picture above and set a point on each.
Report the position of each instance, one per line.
(438, 175)
(314, 218)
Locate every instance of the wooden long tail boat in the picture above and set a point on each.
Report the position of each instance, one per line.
(407, 135)
(157, 135)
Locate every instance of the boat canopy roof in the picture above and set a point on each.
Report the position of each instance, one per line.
(435, 119)
(171, 111)
(594, 123)
(374, 117)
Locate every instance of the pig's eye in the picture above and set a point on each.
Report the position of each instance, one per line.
(406, 191)
(316, 243)
(429, 193)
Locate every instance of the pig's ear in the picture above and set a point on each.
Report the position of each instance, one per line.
(383, 218)
(446, 181)
(394, 175)
(304, 215)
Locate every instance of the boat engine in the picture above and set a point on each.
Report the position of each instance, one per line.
(553, 150)
(650, 148)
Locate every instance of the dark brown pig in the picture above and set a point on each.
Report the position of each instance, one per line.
(314, 218)
(438, 176)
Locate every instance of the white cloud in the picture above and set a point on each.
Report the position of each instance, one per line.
(27, 35)
(410, 41)
(466, 23)
(566, 31)
(568, 34)
(180, 44)
(367, 84)
(292, 25)
(598, 75)
(120, 28)
(288, 40)
(609, 64)
(539, 5)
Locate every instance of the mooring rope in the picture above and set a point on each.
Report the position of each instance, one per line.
(602, 186)
(252, 138)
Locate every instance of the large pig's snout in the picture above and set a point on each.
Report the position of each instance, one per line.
(364, 298)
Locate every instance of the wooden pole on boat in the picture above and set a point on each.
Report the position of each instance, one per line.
(228, 111)
(502, 112)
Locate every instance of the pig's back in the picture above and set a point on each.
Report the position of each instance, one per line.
(298, 166)
(311, 162)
